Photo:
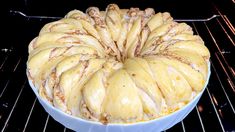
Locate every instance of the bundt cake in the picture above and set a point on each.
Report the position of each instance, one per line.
(117, 65)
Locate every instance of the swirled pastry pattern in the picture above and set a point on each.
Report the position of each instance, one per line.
(117, 65)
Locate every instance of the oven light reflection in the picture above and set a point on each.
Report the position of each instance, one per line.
(200, 108)
(214, 100)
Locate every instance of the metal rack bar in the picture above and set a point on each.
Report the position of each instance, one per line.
(217, 46)
(13, 12)
(226, 20)
(5, 59)
(213, 104)
(224, 68)
(4, 88)
(31, 110)
(182, 123)
(18, 62)
(217, 77)
(231, 40)
(200, 119)
(197, 20)
(45, 126)
(9, 116)
(226, 95)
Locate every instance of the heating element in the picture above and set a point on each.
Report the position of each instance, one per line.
(21, 111)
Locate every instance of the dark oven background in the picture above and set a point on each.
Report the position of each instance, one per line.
(20, 110)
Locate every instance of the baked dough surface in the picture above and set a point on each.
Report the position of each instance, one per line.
(118, 65)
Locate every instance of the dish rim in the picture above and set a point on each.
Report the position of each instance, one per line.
(120, 124)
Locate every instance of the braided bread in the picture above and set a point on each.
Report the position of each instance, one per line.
(118, 65)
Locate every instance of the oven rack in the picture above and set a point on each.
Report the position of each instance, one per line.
(21, 111)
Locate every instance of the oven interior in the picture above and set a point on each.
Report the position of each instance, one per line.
(213, 21)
